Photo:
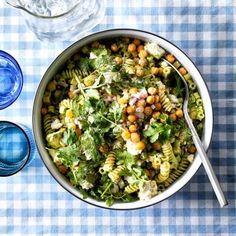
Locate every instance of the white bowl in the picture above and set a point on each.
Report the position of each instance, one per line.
(145, 36)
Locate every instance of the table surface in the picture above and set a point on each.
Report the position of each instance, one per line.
(32, 203)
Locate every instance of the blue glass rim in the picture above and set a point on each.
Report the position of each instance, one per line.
(28, 154)
(9, 57)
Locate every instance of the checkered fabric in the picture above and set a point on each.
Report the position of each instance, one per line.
(32, 203)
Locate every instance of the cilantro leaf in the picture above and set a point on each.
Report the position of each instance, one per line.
(89, 144)
(69, 137)
(69, 155)
(158, 131)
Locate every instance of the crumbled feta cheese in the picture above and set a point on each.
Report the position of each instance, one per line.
(173, 98)
(91, 119)
(121, 184)
(190, 158)
(86, 185)
(56, 124)
(147, 190)
(155, 50)
(92, 55)
(64, 104)
(111, 76)
(131, 148)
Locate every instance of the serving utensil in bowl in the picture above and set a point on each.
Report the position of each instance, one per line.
(198, 144)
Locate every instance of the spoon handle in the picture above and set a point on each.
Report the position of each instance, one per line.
(207, 165)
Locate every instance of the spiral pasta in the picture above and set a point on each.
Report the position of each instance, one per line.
(165, 101)
(156, 161)
(47, 120)
(177, 173)
(115, 174)
(110, 161)
(131, 188)
(164, 172)
(168, 151)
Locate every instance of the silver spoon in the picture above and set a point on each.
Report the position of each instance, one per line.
(205, 161)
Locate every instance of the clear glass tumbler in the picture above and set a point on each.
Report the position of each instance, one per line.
(60, 19)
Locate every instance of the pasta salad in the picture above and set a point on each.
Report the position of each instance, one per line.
(113, 120)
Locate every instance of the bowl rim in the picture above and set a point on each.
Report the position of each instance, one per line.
(122, 31)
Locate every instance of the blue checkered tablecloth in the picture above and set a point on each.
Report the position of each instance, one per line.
(32, 203)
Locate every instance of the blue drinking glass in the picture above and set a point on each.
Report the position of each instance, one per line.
(11, 80)
(17, 147)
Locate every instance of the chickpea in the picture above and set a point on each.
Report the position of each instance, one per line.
(152, 91)
(132, 118)
(62, 169)
(182, 71)
(44, 110)
(114, 47)
(170, 58)
(154, 70)
(57, 93)
(147, 172)
(158, 106)
(173, 116)
(131, 48)
(122, 101)
(140, 47)
(130, 110)
(140, 109)
(103, 148)
(160, 71)
(51, 86)
(125, 135)
(95, 44)
(156, 114)
(78, 131)
(148, 111)
(157, 98)
(133, 128)
(150, 99)
(143, 61)
(71, 94)
(156, 146)
(140, 145)
(140, 72)
(137, 42)
(118, 60)
(143, 54)
(133, 90)
(179, 113)
(135, 137)
(76, 57)
(141, 103)
(192, 149)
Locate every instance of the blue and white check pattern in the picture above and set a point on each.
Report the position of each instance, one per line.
(32, 203)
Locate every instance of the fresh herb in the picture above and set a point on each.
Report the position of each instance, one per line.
(69, 155)
(69, 137)
(158, 131)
